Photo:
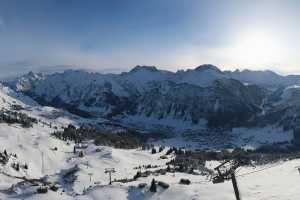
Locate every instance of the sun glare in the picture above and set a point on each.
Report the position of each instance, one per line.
(258, 48)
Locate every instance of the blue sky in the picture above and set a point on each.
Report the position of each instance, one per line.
(115, 35)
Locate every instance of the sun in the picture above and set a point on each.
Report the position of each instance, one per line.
(257, 48)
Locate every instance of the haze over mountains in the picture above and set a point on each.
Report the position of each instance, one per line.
(204, 95)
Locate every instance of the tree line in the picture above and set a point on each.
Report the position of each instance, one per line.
(14, 117)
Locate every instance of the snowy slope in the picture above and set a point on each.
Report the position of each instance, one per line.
(8, 97)
(31, 143)
(35, 147)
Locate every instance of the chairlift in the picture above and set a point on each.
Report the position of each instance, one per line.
(218, 179)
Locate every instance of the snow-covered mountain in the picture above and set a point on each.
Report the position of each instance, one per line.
(204, 93)
(203, 75)
(267, 78)
(282, 106)
(36, 160)
(225, 102)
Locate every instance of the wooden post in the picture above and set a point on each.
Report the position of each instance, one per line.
(235, 187)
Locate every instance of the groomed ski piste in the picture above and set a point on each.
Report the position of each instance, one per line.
(50, 159)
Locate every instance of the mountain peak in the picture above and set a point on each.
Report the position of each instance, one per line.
(33, 76)
(146, 68)
(205, 67)
(257, 71)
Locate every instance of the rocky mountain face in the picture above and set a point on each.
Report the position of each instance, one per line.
(225, 102)
(283, 106)
(222, 98)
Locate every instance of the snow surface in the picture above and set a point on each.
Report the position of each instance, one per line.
(34, 146)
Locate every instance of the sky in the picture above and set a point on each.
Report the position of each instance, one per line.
(116, 35)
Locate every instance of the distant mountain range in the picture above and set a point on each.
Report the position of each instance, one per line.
(204, 95)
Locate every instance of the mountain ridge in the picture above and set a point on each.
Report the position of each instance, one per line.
(221, 98)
